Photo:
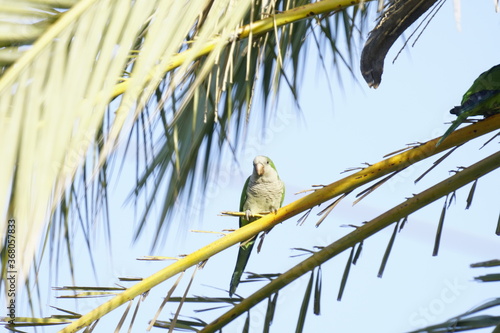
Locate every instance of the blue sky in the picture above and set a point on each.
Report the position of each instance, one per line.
(412, 104)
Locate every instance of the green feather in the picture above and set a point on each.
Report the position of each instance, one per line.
(482, 98)
(283, 194)
(245, 249)
(489, 80)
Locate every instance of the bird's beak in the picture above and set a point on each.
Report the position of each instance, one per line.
(259, 168)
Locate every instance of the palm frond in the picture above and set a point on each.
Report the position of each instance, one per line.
(53, 101)
(420, 200)
(79, 56)
(196, 129)
(388, 251)
(321, 195)
(345, 276)
(466, 321)
(305, 305)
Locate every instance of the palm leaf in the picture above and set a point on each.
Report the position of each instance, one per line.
(305, 304)
(388, 251)
(399, 212)
(53, 101)
(465, 321)
(321, 195)
(84, 56)
(196, 129)
(345, 276)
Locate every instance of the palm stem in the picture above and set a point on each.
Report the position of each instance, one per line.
(253, 29)
(347, 184)
(409, 206)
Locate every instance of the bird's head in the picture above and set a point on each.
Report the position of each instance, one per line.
(262, 165)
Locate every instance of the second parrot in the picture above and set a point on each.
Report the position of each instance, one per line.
(482, 99)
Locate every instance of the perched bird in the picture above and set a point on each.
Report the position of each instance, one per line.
(263, 192)
(482, 99)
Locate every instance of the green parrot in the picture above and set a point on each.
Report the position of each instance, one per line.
(263, 192)
(482, 98)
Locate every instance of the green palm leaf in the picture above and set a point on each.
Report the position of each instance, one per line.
(54, 99)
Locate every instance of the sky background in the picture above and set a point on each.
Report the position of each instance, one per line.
(330, 134)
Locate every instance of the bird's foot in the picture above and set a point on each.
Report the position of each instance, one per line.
(248, 214)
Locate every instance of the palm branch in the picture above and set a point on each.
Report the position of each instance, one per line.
(97, 69)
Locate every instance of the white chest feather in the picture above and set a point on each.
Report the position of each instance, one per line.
(263, 195)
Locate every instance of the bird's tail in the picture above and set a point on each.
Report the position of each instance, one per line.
(241, 263)
(460, 119)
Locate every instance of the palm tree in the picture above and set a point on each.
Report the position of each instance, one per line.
(176, 81)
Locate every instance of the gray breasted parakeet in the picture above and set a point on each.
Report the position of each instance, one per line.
(263, 192)
(482, 99)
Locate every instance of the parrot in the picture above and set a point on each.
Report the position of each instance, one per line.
(263, 192)
(482, 98)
